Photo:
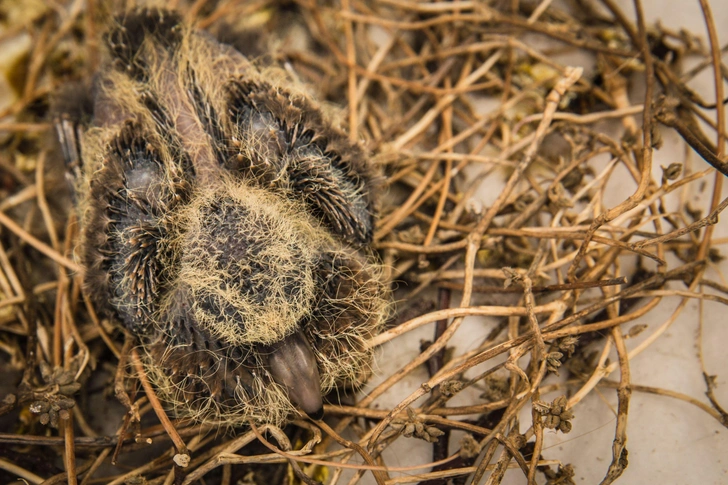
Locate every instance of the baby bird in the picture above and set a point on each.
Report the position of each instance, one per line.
(224, 224)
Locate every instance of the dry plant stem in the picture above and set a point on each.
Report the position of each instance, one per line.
(455, 472)
(95, 465)
(24, 195)
(493, 311)
(433, 189)
(62, 478)
(227, 472)
(700, 67)
(70, 330)
(298, 456)
(417, 249)
(719, 95)
(43, 203)
(502, 464)
(508, 445)
(22, 473)
(10, 282)
(447, 125)
(443, 54)
(39, 245)
(36, 60)
(537, 428)
(710, 220)
(579, 285)
(722, 419)
(599, 372)
(586, 119)
(494, 273)
(428, 415)
(668, 118)
(374, 65)
(703, 117)
(380, 476)
(91, 442)
(537, 361)
(645, 154)
(179, 444)
(687, 294)
(424, 284)
(717, 75)
(444, 102)
(92, 42)
(423, 88)
(656, 280)
(232, 10)
(624, 392)
(132, 414)
(458, 5)
(388, 223)
(603, 325)
(194, 444)
(80, 420)
(217, 453)
(453, 424)
(163, 460)
(506, 421)
(58, 321)
(351, 62)
(95, 319)
(69, 452)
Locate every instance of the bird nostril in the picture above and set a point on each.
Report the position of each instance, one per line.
(293, 366)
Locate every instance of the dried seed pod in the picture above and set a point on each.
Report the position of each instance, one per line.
(433, 433)
(469, 447)
(40, 407)
(225, 224)
(450, 388)
(550, 421)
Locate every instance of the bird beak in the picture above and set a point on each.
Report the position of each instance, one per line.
(293, 366)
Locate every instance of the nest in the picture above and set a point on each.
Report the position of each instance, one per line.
(517, 141)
